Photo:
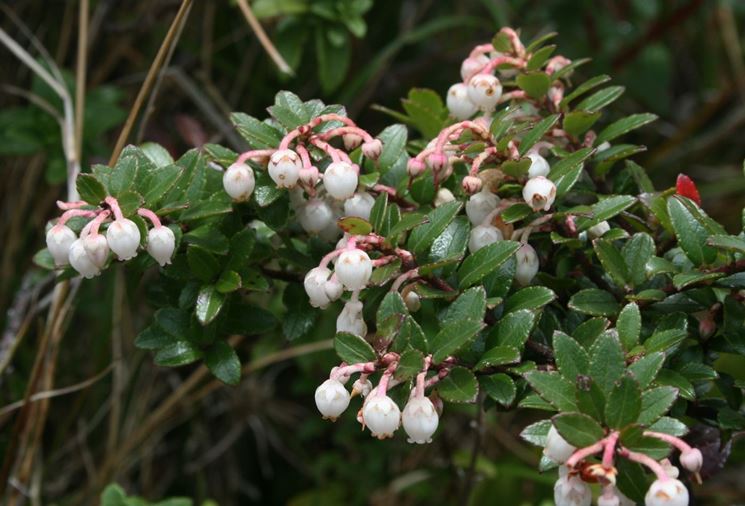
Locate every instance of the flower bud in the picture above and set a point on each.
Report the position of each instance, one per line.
(415, 167)
(479, 206)
(443, 197)
(472, 184)
(692, 460)
(309, 176)
(315, 286)
(459, 105)
(570, 490)
(670, 492)
(284, 168)
(81, 262)
(350, 319)
(557, 448)
(59, 240)
(160, 244)
(360, 204)
(333, 289)
(124, 238)
(362, 387)
(472, 65)
(484, 91)
(483, 235)
(538, 166)
(609, 499)
(97, 249)
(437, 161)
(598, 230)
(372, 149)
(412, 301)
(527, 264)
(239, 182)
(351, 141)
(420, 420)
(381, 415)
(340, 180)
(332, 399)
(670, 469)
(353, 269)
(315, 215)
(539, 193)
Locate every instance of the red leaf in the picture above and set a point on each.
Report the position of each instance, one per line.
(686, 187)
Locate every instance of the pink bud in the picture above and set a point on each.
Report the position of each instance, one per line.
(372, 149)
(415, 167)
(437, 161)
(472, 184)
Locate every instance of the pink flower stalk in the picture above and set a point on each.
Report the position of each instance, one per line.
(261, 155)
(500, 60)
(422, 377)
(480, 159)
(644, 460)
(336, 132)
(114, 205)
(481, 49)
(72, 213)
(517, 44)
(344, 371)
(413, 273)
(147, 213)
(66, 206)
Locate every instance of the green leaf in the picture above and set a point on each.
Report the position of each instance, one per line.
(665, 340)
(178, 353)
(578, 429)
(499, 355)
(43, 258)
(612, 261)
(516, 168)
(451, 244)
(646, 368)
(153, 338)
(636, 252)
(516, 212)
(534, 83)
(686, 279)
(460, 385)
(499, 387)
(394, 141)
(583, 88)
(410, 364)
(588, 331)
(590, 399)
(668, 377)
(514, 329)
(229, 281)
(123, 175)
(422, 237)
(332, 59)
(353, 349)
(634, 439)
(536, 433)
(485, 261)
(727, 242)
(566, 172)
(691, 234)
(578, 122)
(531, 297)
(408, 221)
(216, 205)
(426, 111)
(632, 480)
(552, 387)
(259, 135)
(202, 263)
(655, 402)
(157, 154)
(537, 132)
(289, 110)
(629, 325)
(600, 98)
(209, 304)
(354, 225)
(671, 426)
(300, 316)
(157, 183)
(453, 337)
(391, 305)
(223, 362)
(607, 209)
(624, 403)
(90, 189)
(470, 305)
(623, 126)
(594, 302)
(571, 358)
(129, 202)
(539, 57)
(607, 362)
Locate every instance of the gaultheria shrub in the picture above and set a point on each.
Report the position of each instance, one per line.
(512, 250)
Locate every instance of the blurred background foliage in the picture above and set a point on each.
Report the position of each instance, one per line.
(161, 432)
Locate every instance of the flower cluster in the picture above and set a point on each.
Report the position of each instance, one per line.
(577, 469)
(379, 413)
(89, 253)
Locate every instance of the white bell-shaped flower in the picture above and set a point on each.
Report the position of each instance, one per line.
(540, 193)
(350, 319)
(59, 240)
(315, 284)
(360, 204)
(484, 90)
(81, 262)
(315, 215)
(538, 165)
(97, 248)
(420, 420)
(124, 238)
(557, 448)
(332, 399)
(483, 235)
(472, 65)
(239, 182)
(459, 105)
(692, 460)
(669, 492)
(381, 415)
(479, 205)
(340, 180)
(527, 264)
(353, 269)
(363, 387)
(443, 197)
(598, 230)
(570, 490)
(160, 244)
(284, 168)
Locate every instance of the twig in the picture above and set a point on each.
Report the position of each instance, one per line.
(80, 74)
(150, 78)
(264, 39)
(471, 472)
